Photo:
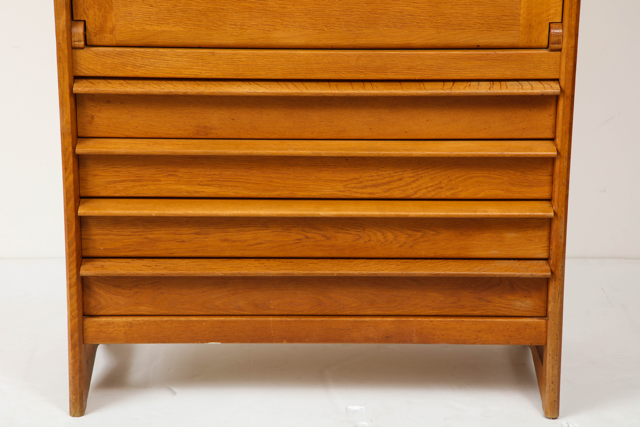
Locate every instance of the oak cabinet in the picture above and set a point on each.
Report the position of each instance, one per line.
(316, 171)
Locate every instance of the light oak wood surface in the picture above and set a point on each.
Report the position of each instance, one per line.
(315, 177)
(355, 295)
(535, 16)
(78, 34)
(555, 36)
(313, 88)
(286, 64)
(316, 148)
(193, 113)
(81, 354)
(550, 367)
(234, 267)
(313, 208)
(315, 237)
(315, 329)
(330, 24)
(317, 117)
(314, 228)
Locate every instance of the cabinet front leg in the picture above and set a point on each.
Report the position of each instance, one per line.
(80, 370)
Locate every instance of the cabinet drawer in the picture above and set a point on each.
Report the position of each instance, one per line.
(178, 296)
(313, 24)
(317, 110)
(306, 228)
(316, 169)
(176, 287)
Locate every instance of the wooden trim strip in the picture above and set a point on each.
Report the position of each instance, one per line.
(502, 64)
(315, 329)
(313, 208)
(313, 88)
(231, 267)
(326, 148)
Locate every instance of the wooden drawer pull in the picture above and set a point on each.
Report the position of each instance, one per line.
(313, 208)
(314, 88)
(324, 148)
(232, 267)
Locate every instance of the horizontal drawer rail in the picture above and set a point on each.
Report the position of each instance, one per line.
(326, 148)
(313, 208)
(505, 64)
(313, 88)
(153, 267)
(314, 329)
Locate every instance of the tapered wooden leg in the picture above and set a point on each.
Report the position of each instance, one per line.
(80, 378)
(548, 375)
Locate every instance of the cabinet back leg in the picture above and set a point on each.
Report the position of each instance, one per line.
(548, 375)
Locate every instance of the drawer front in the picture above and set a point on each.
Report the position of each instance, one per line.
(258, 176)
(314, 228)
(317, 117)
(326, 24)
(315, 237)
(173, 296)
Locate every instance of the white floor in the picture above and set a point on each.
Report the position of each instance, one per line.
(312, 385)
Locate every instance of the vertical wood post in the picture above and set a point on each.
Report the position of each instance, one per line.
(81, 356)
(547, 360)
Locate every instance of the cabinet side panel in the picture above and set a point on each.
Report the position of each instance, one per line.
(80, 356)
(552, 354)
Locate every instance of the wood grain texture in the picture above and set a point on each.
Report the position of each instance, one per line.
(314, 228)
(81, 355)
(77, 35)
(315, 329)
(313, 208)
(315, 237)
(331, 24)
(316, 148)
(233, 267)
(355, 296)
(315, 177)
(283, 64)
(553, 349)
(535, 17)
(100, 16)
(316, 117)
(313, 88)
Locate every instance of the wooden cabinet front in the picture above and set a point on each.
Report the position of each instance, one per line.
(340, 24)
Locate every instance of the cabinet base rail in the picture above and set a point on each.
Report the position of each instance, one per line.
(315, 329)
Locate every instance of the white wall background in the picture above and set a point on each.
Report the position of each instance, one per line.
(605, 179)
